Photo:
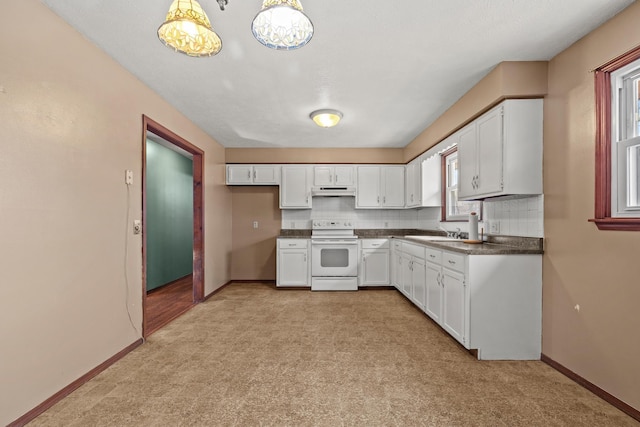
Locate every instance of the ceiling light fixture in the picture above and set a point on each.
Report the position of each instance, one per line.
(282, 25)
(326, 118)
(188, 30)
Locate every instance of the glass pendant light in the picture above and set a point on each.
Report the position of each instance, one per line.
(282, 25)
(326, 118)
(188, 30)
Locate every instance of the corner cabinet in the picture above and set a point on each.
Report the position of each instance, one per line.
(295, 187)
(374, 264)
(293, 263)
(380, 187)
(500, 152)
(253, 174)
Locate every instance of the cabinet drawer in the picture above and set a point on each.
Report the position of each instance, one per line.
(414, 250)
(453, 261)
(375, 244)
(293, 243)
(397, 245)
(433, 255)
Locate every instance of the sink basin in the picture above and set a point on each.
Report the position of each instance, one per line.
(435, 238)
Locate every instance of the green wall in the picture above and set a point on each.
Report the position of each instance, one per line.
(169, 215)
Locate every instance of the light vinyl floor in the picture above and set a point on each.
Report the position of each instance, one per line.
(255, 356)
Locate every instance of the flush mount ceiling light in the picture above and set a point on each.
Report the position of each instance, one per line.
(282, 25)
(188, 30)
(326, 118)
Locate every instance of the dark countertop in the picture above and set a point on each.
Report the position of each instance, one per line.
(493, 245)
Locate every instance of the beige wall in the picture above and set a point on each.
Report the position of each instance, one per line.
(599, 270)
(71, 125)
(506, 80)
(314, 155)
(254, 249)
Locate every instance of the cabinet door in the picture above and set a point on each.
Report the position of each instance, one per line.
(368, 187)
(433, 305)
(323, 175)
(295, 189)
(293, 267)
(239, 174)
(418, 282)
(411, 184)
(467, 160)
(490, 150)
(375, 267)
(344, 175)
(396, 271)
(454, 306)
(266, 174)
(406, 276)
(393, 186)
(431, 172)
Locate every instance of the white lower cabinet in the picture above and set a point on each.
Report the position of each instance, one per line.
(293, 263)
(374, 264)
(488, 303)
(396, 264)
(413, 273)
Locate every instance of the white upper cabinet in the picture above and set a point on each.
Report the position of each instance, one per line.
(295, 188)
(500, 153)
(431, 181)
(253, 174)
(328, 175)
(380, 187)
(413, 184)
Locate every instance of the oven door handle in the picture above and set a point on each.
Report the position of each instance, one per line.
(334, 242)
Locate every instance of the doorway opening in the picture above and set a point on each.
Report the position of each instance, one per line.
(162, 305)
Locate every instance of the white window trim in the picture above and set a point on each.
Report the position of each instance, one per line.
(623, 137)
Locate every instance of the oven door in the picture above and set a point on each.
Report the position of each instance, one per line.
(334, 258)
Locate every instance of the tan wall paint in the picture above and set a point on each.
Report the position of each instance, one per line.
(71, 125)
(506, 80)
(599, 270)
(253, 256)
(314, 155)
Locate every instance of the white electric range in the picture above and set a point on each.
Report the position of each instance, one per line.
(334, 256)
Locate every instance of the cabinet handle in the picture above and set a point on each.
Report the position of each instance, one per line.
(452, 262)
(249, 174)
(431, 256)
(384, 200)
(305, 257)
(378, 199)
(254, 174)
(438, 279)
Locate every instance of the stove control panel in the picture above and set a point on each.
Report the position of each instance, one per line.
(327, 224)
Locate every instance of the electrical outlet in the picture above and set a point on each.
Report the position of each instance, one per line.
(255, 224)
(137, 226)
(128, 177)
(494, 227)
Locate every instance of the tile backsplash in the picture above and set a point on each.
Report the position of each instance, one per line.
(510, 216)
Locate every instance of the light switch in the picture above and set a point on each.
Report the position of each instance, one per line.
(255, 224)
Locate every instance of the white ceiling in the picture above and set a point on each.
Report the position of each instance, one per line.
(391, 67)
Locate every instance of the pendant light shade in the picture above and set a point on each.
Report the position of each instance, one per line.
(188, 30)
(282, 25)
(326, 118)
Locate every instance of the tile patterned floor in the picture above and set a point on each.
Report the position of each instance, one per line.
(256, 356)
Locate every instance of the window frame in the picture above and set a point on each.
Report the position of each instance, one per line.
(444, 216)
(603, 218)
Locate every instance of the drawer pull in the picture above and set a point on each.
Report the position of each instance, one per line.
(451, 262)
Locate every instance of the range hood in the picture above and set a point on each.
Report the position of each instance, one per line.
(333, 191)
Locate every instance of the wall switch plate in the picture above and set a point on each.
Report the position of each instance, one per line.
(128, 177)
(137, 226)
(255, 224)
(494, 227)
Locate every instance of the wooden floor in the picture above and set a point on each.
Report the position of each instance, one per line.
(166, 303)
